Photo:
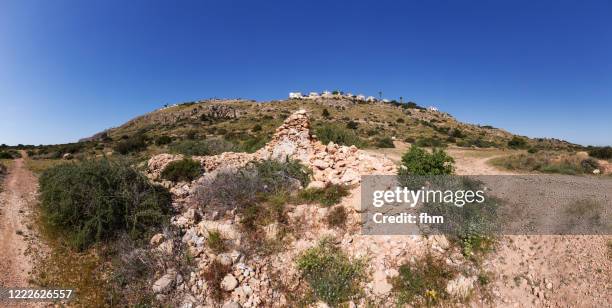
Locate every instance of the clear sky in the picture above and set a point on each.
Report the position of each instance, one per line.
(69, 69)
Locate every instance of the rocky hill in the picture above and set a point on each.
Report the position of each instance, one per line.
(239, 120)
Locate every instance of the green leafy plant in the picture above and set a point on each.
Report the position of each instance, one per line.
(94, 200)
(331, 275)
(417, 161)
(385, 142)
(182, 170)
(423, 283)
(331, 133)
(329, 195)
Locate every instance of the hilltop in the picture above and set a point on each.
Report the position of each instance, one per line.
(249, 124)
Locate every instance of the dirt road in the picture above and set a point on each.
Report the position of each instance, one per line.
(18, 195)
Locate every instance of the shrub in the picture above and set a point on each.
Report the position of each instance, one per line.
(457, 133)
(252, 183)
(532, 150)
(335, 134)
(589, 164)
(517, 142)
(10, 154)
(162, 140)
(331, 275)
(400, 120)
(132, 144)
(423, 283)
(325, 113)
(429, 142)
(385, 142)
(327, 196)
(252, 144)
(214, 274)
(182, 170)
(352, 125)
(191, 135)
(202, 147)
(256, 128)
(92, 201)
(601, 152)
(547, 162)
(215, 241)
(419, 162)
(336, 217)
(472, 225)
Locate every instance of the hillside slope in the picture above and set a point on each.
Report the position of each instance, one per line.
(241, 119)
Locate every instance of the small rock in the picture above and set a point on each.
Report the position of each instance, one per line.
(225, 259)
(231, 305)
(229, 282)
(316, 184)
(461, 286)
(157, 239)
(165, 283)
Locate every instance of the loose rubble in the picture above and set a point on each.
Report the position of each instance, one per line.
(252, 282)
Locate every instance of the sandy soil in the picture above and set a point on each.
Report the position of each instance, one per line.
(16, 232)
(543, 270)
(537, 270)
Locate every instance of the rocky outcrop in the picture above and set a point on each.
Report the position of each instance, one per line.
(331, 163)
(249, 283)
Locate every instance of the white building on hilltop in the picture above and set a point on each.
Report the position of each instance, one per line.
(370, 99)
(296, 95)
(327, 94)
(313, 95)
(432, 108)
(360, 97)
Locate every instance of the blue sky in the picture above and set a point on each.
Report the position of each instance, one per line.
(69, 69)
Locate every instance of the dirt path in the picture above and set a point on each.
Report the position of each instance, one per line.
(536, 270)
(18, 194)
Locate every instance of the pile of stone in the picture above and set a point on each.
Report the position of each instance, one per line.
(248, 284)
(331, 164)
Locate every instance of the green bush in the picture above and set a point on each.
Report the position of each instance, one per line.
(430, 142)
(325, 113)
(202, 147)
(336, 217)
(335, 134)
(419, 162)
(162, 140)
(251, 184)
(331, 275)
(457, 133)
(182, 170)
(423, 283)
(215, 241)
(256, 128)
(601, 152)
(253, 143)
(517, 142)
(352, 125)
(92, 201)
(10, 154)
(532, 150)
(589, 164)
(327, 196)
(385, 142)
(132, 144)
